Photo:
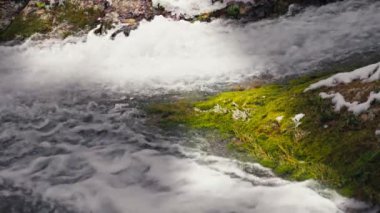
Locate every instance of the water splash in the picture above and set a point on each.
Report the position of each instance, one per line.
(180, 55)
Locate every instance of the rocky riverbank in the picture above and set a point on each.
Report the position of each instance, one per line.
(21, 19)
(59, 19)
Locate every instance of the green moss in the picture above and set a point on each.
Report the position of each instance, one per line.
(205, 17)
(345, 155)
(25, 27)
(40, 4)
(233, 11)
(77, 18)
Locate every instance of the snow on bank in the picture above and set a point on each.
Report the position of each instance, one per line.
(297, 119)
(365, 74)
(279, 118)
(355, 107)
(369, 73)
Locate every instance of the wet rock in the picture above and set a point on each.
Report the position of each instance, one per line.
(76, 17)
(133, 9)
(214, 1)
(111, 17)
(126, 29)
(72, 17)
(247, 11)
(35, 7)
(8, 10)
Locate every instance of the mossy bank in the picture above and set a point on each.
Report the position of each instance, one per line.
(59, 19)
(62, 20)
(339, 149)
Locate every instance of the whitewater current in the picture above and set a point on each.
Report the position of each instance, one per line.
(74, 136)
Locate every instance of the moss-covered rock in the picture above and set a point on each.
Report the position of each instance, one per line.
(25, 26)
(77, 18)
(233, 11)
(69, 17)
(340, 150)
(9, 10)
(59, 21)
(73, 17)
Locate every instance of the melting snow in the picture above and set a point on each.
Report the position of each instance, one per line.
(355, 107)
(368, 73)
(365, 74)
(297, 119)
(279, 118)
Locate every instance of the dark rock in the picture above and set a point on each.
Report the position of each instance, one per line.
(126, 29)
(8, 10)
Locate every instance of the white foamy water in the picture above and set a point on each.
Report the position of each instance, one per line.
(193, 7)
(70, 143)
(180, 55)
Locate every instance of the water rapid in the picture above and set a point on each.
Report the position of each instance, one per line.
(73, 137)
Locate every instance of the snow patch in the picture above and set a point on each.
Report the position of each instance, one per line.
(355, 107)
(279, 118)
(297, 119)
(369, 73)
(365, 74)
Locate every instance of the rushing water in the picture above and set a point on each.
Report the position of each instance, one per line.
(73, 137)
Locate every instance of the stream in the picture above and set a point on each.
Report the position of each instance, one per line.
(74, 136)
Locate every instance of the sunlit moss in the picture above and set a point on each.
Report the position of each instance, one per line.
(338, 149)
(204, 17)
(40, 4)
